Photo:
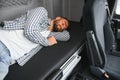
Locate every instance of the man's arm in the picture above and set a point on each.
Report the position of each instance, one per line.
(52, 40)
(61, 36)
(36, 37)
(15, 24)
(34, 24)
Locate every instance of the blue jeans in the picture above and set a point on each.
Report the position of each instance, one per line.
(5, 60)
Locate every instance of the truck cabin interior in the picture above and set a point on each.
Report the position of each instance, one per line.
(91, 53)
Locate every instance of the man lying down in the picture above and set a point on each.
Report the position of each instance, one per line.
(20, 36)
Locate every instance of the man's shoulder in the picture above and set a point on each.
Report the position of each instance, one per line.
(40, 8)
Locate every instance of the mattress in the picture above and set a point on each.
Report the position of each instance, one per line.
(48, 60)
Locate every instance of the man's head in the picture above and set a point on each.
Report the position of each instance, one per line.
(60, 24)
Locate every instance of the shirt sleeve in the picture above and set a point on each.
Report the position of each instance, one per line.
(37, 37)
(61, 36)
(15, 24)
(34, 24)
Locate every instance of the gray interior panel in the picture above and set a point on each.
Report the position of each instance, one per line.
(71, 9)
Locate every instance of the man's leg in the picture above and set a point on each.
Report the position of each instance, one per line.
(5, 60)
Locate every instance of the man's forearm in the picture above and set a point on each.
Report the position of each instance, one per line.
(11, 25)
(15, 24)
(36, 37)
(61, 36)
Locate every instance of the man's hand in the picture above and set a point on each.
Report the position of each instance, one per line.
(50, 28)
(52, 40)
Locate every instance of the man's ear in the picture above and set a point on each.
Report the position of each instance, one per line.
(58, 18)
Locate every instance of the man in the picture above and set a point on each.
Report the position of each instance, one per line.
(37, 29)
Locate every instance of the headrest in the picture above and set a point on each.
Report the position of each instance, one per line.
(10, 9)
(94, 13)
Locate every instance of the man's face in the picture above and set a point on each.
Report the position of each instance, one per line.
(60, 24)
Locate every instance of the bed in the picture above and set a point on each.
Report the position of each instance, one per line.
(50, 62)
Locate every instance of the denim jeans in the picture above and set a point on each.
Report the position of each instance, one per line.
(5, 60)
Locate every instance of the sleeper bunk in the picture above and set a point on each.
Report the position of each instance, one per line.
(55, 62)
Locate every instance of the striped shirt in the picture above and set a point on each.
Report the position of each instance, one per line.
(33, 22)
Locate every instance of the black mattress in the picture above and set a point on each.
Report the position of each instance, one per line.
(49, 59)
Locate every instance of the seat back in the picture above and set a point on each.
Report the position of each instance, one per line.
(100, 37)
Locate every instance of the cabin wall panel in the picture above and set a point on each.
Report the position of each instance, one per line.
(71, 9)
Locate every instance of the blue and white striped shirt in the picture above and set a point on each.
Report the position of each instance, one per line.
(33, 22)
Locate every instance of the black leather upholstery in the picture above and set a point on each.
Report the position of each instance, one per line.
(96, 19)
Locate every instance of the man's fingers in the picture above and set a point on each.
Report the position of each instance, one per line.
(52, 40)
